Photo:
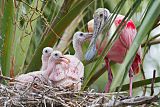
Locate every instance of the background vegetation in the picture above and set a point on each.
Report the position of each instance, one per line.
(27, 26)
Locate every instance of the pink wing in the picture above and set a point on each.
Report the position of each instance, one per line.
(58, 73)
(76, 68)
(128, 33)
(66, 75)
(126, 37)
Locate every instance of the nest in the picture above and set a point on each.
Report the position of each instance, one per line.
(42, 95)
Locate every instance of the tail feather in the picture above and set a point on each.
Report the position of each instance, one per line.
(136, 64)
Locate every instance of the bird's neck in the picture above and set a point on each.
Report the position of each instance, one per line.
(44, 62)
(46, 73)
(44, 66)
(78, 49)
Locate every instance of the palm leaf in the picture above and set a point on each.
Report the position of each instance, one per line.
(49, 10)
(139, 84)
(68, 33)
(7, 36)
(63, 11)
(23, 37)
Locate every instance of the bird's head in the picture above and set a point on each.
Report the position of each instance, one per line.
(57, 57)
(80, 37)
(47, 51)
(101, 16)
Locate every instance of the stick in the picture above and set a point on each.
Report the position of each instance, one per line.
(152, 83)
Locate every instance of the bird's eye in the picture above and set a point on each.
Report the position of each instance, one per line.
(81, 34)
(101, 15)
(46, 51)
(56, 54)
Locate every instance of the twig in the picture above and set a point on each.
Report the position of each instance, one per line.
(152, 83)
(0, 75)
(152, 42)
(7, 78)
(143, 76)
(134, 101)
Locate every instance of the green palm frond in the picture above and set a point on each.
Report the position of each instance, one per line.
(7, 37)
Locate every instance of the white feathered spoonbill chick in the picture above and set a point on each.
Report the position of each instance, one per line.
(46, 53)
(55, 58)
(69, 76)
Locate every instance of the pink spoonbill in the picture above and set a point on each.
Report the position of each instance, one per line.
(55, 58)
(70, 75)
(119, 49)
(46, 53)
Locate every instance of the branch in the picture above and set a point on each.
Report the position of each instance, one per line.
(133, 101)
(0, 75)
(152, 42)
(152, 84)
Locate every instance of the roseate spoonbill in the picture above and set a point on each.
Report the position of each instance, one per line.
(55, 58)
(120, 47)
(46, 53)
(78, 39)
(69, 76)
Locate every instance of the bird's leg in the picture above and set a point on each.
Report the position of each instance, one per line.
(131, 81)
(110, 76)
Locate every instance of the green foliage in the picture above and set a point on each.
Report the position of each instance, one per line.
(23, 37)
(6, 43)
(138, 84)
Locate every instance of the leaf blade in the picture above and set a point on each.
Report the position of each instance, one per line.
(7, 36)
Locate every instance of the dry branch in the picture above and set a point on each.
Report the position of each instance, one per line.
(133, 101)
